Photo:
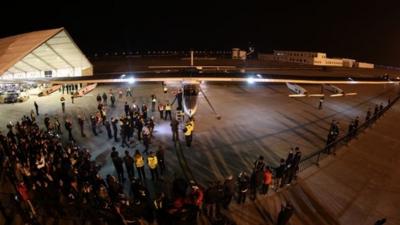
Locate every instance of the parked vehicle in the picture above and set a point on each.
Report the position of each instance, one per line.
(11, 98)
(23, 96)
(2, 97)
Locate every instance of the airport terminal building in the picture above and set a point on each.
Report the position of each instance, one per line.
(42, 54)
(313, 58)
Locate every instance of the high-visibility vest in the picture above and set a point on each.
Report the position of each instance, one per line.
(168, 107)
(139, 162)
(152, 161)
(189, 130)
(158, 204)
(192, 123)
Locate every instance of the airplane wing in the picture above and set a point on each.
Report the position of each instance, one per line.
(337, 92)
(151, 76)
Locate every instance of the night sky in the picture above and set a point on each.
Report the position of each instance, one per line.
(364, 30)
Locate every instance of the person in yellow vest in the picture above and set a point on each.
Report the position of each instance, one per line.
(188, 133)
(139, 164)
(153, 103)
(191, 121)
(168, 111)
(152, 162)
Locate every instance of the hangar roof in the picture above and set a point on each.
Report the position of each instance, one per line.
(40, 51)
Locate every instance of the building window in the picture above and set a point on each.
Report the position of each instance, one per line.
(48, 73)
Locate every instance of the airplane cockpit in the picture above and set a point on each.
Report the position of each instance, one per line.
(190, 90)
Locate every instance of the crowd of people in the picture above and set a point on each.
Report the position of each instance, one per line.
(54, 179)
(353, 126)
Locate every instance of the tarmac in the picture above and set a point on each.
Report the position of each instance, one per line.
(257, 119)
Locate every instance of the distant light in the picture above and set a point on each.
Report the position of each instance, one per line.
(250, 80)
(259, 75)
(123, 75)
(131, 80)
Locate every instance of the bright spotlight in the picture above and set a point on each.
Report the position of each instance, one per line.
(131, 80)
(250, 80)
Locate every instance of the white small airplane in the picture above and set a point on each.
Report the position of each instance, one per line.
(337, 92)
(300, 91)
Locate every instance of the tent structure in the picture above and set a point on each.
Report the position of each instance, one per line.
(42, 54)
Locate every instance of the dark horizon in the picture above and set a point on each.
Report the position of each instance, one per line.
(365, 31)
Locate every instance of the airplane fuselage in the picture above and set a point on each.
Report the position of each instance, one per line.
(190, 95)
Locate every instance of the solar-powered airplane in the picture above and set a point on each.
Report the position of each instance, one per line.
(190, 78)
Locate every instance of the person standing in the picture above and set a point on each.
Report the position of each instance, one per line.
(165, 88)
(296, 163)
(356, 123)
(104, 98)
(36, 108)
(112, 98)
(81, 123)
(144, 111)
(93, 123)
(128, 160)
(161, 110)
(243, 180)
(139, 126)
(188, 134)
(114, 123)
(174, 128)
(68, 127)
(321, 100)
(72, 98)
(33, 116)
(153, 103)
(124, 133)
(108, 128)
(128, 92)
(267, 180)
(160, 157)
(160, 205)
(119, 168)
(253, 185)
(350, 130)
(62, 99)
(152, 162)
(126, 108)
(279, 172)
(368, 116)
(178, 98)
(259, 164)
(229, 191)
(139, 163)
(146, 138)
(151, 126)
(376, 111)
(57, 125)
(168, 111)
(285, 214)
